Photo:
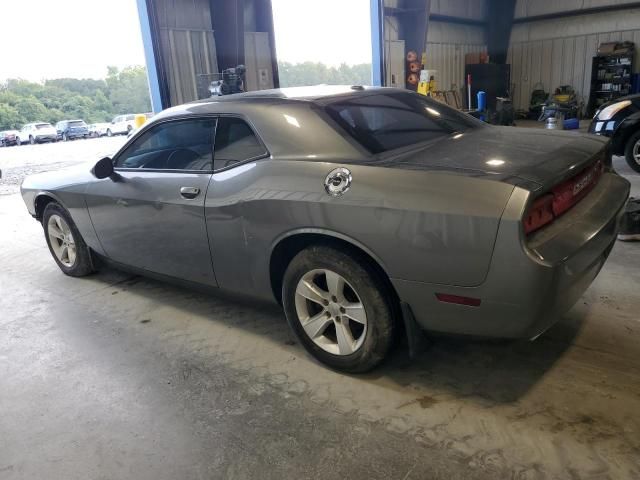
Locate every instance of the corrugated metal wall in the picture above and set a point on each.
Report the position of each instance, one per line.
(448, 60)
(531, 8)
(447, 45)
(188, 46)
(559, 52)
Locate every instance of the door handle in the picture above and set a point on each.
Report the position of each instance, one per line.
(189, 192)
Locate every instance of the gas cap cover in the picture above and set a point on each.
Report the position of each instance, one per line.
(338, 182)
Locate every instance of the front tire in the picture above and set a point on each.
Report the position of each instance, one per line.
(632, 152)
(65, 243)
(339, 308)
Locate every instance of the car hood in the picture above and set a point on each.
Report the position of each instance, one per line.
(515, 155)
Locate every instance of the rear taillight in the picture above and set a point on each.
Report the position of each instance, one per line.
(540, 214)
(562, 197)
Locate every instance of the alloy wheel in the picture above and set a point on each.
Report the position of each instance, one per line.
(636, 152)
(61, 240)
(331, 312)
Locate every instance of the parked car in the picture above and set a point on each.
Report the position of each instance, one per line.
(121, 125)
(36, 133)
(8, 138)
(358, 209)
(71, 129)
(98, 129)
(620, 121)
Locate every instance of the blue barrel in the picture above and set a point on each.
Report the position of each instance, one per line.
(482, 101)
(571, 124)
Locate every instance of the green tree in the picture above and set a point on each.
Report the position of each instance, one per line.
(122, 91)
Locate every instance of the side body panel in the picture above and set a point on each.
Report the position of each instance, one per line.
(424, 226)
(143, 221)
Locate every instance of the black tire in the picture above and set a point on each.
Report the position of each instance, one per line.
(373, 294)
(628, 151)
(83, 264)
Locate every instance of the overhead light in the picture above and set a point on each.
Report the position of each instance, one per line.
(432, 111)
(494, 162)
(291, 120)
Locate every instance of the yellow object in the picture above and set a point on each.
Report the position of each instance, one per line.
(139, 120)
(427, 87)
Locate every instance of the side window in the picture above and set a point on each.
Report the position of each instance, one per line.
(177, 145)
(235, 142)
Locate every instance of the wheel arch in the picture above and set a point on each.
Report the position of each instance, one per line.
(41, 201)
(629, 127)
(287, 246)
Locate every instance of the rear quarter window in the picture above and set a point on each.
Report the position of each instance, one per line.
(384, 122)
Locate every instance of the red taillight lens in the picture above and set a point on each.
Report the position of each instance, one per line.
(540, 213)
(562, 197)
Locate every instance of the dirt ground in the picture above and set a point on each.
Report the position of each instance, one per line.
(118, 376)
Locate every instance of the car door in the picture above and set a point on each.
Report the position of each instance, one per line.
(150, 214)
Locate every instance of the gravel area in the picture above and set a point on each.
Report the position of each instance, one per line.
(18, 162)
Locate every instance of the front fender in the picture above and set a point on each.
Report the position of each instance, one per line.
(625, 129)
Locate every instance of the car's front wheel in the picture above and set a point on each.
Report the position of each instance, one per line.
(339, 308)
(632, 151)
(65, 242)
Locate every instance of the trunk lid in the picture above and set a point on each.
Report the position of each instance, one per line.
(544, 157)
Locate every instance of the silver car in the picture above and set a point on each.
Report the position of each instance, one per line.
(364, 212)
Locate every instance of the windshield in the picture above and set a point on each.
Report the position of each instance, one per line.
(40, 126)
(77, 123)
(387, 121)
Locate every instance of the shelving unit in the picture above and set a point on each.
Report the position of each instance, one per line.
(610, 79)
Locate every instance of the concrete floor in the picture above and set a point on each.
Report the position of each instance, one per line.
(116, 376)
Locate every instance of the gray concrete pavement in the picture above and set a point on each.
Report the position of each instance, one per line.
(117, 376)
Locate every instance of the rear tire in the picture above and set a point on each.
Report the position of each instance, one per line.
(63, 237)
(352, 339)
(632, 152)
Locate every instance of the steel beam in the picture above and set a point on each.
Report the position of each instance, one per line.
(573, 13)
(150, 55)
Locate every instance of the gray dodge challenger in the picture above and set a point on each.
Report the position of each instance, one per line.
(364, 212)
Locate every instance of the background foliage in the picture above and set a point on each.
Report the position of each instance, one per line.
(310, 73)
(126, 91)
(122, 91)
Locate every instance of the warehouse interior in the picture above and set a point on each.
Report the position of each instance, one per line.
(119, 375)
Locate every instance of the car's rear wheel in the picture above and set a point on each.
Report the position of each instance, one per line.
(339, 308)
(632, 151)
(65, 243)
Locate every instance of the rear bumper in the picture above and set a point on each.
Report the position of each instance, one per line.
(529, 286)
(45, 138)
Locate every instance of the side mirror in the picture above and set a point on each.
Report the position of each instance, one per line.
(103, 168)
